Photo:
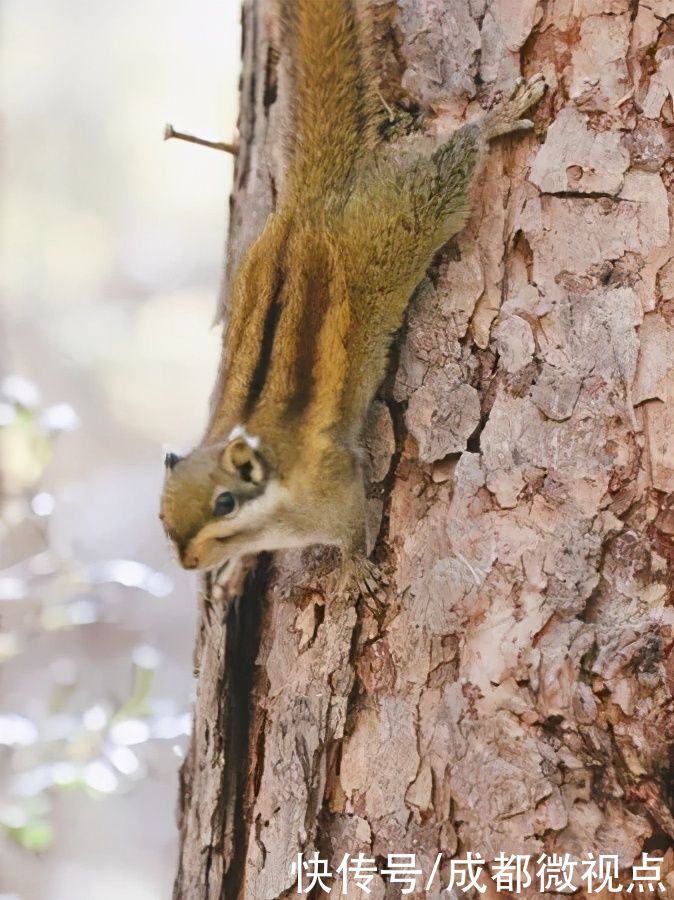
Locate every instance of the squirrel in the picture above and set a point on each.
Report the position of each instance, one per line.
(316, 304)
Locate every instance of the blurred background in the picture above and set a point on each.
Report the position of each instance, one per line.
(111, 248)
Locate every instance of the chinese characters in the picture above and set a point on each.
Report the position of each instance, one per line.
(555, 873)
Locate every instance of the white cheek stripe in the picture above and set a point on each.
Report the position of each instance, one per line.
(240, 432)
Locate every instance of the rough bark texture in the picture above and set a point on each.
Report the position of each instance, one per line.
(515, 694)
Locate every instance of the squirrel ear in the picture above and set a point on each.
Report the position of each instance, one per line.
(171, 459)
(239, 458)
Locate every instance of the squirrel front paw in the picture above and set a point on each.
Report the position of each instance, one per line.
(507, 116)
(363, 577)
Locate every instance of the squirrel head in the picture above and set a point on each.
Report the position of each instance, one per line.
(218, 501)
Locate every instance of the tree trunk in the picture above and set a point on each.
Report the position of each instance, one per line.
(514, 695)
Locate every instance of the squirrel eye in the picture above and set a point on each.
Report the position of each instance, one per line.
(225, 504)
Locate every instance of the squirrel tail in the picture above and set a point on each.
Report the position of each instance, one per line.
(334, 104)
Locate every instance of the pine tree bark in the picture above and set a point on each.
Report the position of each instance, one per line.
(515, 695)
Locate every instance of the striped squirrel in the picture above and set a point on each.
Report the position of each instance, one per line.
(316, 304)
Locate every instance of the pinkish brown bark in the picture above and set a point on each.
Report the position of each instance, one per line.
(515, 695)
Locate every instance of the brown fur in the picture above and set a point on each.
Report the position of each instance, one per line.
(322, 292)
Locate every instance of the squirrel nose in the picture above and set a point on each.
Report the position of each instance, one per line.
(188, 561)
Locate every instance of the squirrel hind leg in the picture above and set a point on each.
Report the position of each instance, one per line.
(507, 116)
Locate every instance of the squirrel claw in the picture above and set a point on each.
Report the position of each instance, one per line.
(519, 81)
(522, 125)
(506, 117)
(364, 577)
(526, 93)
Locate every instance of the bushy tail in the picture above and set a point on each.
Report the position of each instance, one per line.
(334, 98)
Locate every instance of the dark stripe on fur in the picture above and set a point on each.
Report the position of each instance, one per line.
(316, 290)
(263, 363)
